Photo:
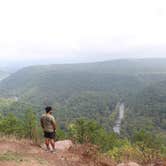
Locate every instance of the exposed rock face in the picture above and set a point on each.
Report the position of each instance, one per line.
(128, 164)
(63, 145)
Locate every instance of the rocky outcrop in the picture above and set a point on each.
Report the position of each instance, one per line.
(128, 164)
(63, 145)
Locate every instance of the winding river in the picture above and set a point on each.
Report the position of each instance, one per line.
(120, 117)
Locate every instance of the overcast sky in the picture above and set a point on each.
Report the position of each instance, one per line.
(81, 30)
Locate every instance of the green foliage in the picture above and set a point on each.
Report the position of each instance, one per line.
(22, 127)
(86, 131)
(60, 134)
(149, 145)
(125, 152)
(92, 91)
(144, 147)
(10, 125)
(147, 110)
(89, 131)
(30, 126)
(30, 123)
(145, 139)
(80, 91)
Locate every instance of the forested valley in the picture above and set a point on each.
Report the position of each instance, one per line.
(85, 99)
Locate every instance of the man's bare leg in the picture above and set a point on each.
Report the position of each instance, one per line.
(52, 142)
(47, 142)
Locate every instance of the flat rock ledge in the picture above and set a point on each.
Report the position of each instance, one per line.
(128, 164)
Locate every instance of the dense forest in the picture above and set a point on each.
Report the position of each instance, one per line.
(149, 108)
(85, 97)
(92, 91)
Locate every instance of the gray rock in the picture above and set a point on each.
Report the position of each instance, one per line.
(128, 164)
(63, 145)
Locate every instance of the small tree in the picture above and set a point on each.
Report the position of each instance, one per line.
(31, 126)
(10, 125)
(84, 130)
(149, 146)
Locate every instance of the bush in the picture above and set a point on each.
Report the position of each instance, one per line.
(10, 125)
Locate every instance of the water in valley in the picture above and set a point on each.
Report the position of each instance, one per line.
(119, 119)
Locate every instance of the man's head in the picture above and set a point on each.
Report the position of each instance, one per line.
(48, 109)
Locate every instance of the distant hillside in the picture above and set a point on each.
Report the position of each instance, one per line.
(148, 109)
(62, 81)
(3, 75)
(84, 90)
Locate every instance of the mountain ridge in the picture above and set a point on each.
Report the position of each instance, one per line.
(84, 90)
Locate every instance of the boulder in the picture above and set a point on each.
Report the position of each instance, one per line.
(63, 145)
(128, 164)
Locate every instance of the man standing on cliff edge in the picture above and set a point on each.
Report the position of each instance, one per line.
(49, 128)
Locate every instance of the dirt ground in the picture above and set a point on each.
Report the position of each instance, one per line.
(20, 153)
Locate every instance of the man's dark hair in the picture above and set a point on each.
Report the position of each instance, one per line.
(48, 109)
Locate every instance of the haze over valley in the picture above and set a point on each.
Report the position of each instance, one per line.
(92, 90)
(100, 65)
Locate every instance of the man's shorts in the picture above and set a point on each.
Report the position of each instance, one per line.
(50, 135)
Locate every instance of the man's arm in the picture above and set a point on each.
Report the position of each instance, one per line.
(41, 122)
(53, 123)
